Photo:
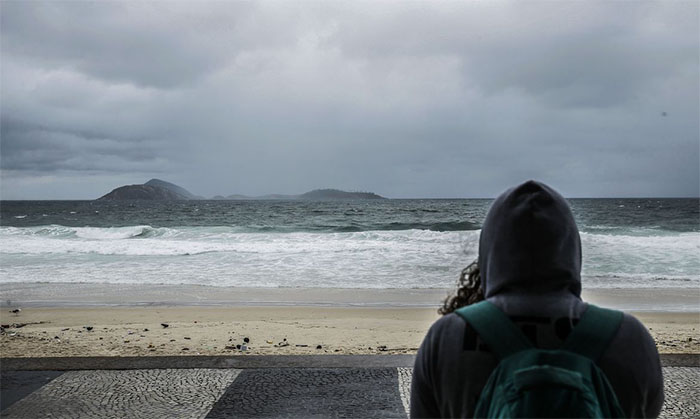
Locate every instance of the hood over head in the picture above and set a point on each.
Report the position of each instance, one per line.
(530, 244)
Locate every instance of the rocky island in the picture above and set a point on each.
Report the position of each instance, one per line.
(333, 194)
(153, 190)
(315, 195)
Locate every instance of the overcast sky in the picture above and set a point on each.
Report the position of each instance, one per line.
(402, 99)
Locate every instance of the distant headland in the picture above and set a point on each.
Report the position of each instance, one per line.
(160, 190)
(153, 190)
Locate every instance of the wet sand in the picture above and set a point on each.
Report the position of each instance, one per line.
(86, 295)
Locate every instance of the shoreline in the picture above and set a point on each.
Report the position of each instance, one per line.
(684, 300)
(69, 320)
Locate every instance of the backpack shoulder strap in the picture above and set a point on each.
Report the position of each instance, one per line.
(495, 328)
(594, 331)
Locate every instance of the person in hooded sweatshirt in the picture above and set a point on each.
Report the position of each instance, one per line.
(530, 264)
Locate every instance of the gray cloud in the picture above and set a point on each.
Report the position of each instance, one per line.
(43, 149)
(407, 100)
(141, 43)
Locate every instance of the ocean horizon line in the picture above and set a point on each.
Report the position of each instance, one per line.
(341, 200)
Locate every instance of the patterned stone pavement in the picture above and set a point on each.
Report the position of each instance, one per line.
(405, 387)
(120, 394)
(682, 387)
(254, 392)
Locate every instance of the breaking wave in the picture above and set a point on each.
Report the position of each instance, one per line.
(394, 257)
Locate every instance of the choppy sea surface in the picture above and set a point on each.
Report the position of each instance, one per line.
(627, 243)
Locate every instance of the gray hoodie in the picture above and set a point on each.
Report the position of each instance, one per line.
(530, 262)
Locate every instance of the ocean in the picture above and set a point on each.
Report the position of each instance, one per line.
(392, 244)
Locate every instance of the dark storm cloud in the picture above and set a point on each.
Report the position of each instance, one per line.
(43, 149)
(407, 100)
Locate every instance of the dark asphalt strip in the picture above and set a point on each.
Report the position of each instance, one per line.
(312, 392)
(245, 361)
(15, 385)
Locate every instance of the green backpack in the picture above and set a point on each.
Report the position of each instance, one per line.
(534, 383)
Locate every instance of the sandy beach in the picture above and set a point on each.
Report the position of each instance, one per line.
(130, 331)
(306, 322)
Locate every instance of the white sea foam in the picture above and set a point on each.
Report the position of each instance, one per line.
(229, 256)
(671, 256)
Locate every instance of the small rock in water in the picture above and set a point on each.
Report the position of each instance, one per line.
(188, 338)
(269, 342)
(88, 328)
(67, 328)
(185, 349)
(129, 332)
(246, 340)
(319, 347)
(164, 325)
(382, 348)
(230, 348)
(145, 330)
(299, 345)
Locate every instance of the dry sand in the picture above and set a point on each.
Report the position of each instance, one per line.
(126, 319)
(207, 330)
(127, 331)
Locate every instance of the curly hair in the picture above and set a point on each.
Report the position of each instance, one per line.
(469, 290)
